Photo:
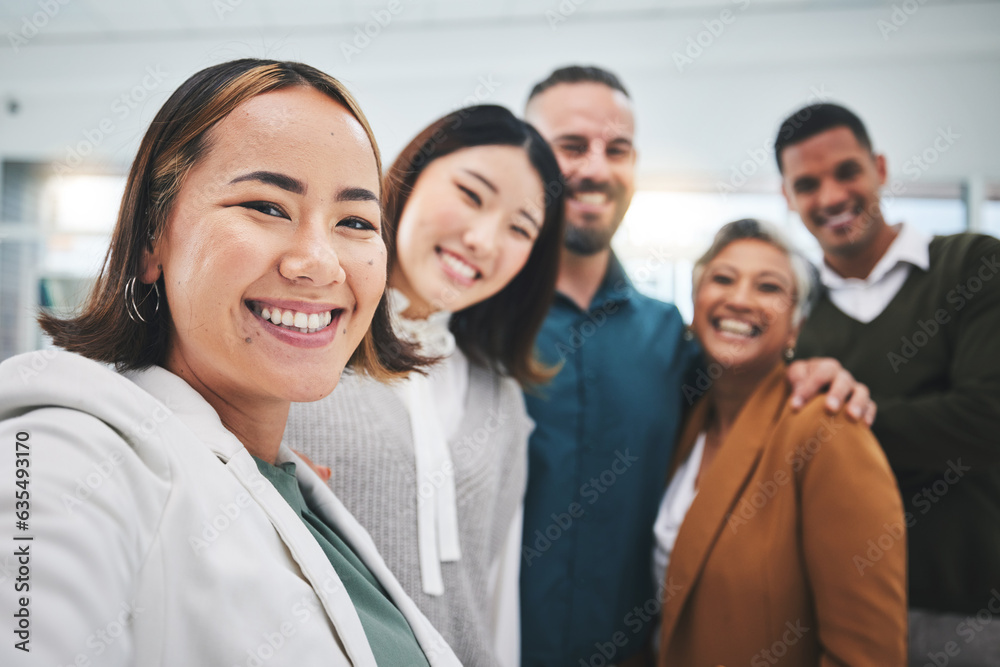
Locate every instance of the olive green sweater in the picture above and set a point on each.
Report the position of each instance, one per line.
(932, 361)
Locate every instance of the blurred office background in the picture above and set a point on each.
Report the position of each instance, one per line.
(711, 80)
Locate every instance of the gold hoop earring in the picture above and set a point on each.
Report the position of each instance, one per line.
(132, 308)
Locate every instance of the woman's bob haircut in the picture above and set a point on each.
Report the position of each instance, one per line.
(499, 332)
(177, 138)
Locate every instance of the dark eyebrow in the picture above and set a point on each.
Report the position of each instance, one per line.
(849, 163)
(271, 178)
(582, 139)
(766, 272)
(571, 137)
(481, 178)
(356, 194)
(492, 187)
(805, 181)
(298, 187)
(526, 215)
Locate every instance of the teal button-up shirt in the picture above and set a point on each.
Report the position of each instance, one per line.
(605, 431)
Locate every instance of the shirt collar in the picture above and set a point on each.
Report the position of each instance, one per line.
(282, 476)
(431, 335)
(911, 246)
(183, 401)
(616, 286)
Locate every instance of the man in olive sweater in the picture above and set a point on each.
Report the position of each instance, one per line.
(917, 319)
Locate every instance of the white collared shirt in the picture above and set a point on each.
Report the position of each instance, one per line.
(864, 299)
(674, 506)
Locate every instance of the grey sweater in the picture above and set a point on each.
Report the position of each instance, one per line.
(362, 431)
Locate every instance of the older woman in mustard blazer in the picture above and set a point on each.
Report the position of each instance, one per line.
(780, 539)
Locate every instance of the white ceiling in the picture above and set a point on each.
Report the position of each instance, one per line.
(82, 21)
(940, 69)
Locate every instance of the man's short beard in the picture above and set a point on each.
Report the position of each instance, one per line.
(587, 241)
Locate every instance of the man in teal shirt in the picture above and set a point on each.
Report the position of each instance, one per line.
(606, 424)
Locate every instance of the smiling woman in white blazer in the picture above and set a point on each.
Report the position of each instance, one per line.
(163, 522)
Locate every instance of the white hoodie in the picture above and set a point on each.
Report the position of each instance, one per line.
(151, 538)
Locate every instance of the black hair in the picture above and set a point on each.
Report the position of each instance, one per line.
(498, 332)
(813, 119)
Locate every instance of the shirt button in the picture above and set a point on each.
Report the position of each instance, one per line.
(590, 376)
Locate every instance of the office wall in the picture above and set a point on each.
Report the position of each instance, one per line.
(938, 69)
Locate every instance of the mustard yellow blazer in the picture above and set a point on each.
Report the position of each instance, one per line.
(794, 549)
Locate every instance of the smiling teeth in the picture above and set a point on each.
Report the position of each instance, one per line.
(736, 327)
(840, 219)
(292, 319)
(458, 266)
(591, 197)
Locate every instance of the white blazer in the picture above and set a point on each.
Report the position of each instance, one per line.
(154, 538)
